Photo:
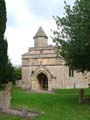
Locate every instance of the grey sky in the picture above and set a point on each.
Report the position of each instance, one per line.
(23, 19)
(47, 8)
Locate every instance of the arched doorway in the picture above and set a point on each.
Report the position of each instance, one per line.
(43, 81)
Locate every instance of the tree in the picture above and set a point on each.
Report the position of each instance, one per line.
(12, 73)
(3, 41)
(72, 36)
(9, 73)
(17, 73)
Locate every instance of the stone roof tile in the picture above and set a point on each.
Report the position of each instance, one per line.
(40, 33)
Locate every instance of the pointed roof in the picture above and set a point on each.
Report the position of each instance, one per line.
(40, 33)
(43, 69)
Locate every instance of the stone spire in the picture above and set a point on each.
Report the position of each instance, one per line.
(40, 38)
(40, 33)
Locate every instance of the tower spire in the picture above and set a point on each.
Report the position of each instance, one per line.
(40, 33)
(40, 38)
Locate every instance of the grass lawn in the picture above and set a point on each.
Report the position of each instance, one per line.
(63, 105)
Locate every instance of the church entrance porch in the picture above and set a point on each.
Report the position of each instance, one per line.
(42, 81)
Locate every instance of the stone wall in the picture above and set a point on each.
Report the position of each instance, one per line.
(18, 83)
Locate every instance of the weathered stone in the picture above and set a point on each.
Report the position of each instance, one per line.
(5, 97)
(41, 60)
(24, 112)
(20, 113)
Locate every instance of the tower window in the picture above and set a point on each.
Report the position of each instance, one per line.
(71, 72)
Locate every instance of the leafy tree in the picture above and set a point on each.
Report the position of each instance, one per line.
(17, 72)
(3, 42)
(72, 35)
(12, 73)
(9, 73)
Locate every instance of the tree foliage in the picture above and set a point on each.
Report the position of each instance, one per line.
(12, 73)
(17, 72)
(8, 73)
(72, 35)
(3, 41)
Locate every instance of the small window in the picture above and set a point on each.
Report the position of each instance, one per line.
(71, 72)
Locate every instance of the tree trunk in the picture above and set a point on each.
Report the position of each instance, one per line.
(81, 97)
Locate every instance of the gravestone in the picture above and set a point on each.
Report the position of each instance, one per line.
(5, 97)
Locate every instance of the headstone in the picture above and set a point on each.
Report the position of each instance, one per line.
(5, 97)
(9, 88)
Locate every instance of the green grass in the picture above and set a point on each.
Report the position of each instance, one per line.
(63, 105)
(8, 117)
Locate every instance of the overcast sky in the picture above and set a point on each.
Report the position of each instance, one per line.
(23, 20)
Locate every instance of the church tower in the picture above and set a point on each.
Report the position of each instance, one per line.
(43, 70)
(40, 39)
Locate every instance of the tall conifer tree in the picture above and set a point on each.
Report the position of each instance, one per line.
(3, 42)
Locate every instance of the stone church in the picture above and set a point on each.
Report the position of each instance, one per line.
(43, 70)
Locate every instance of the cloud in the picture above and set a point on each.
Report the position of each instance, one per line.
(47, 8)
(23, 19)
(19, 21)
(18, 11)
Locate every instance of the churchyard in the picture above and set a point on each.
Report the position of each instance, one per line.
(61, 105)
